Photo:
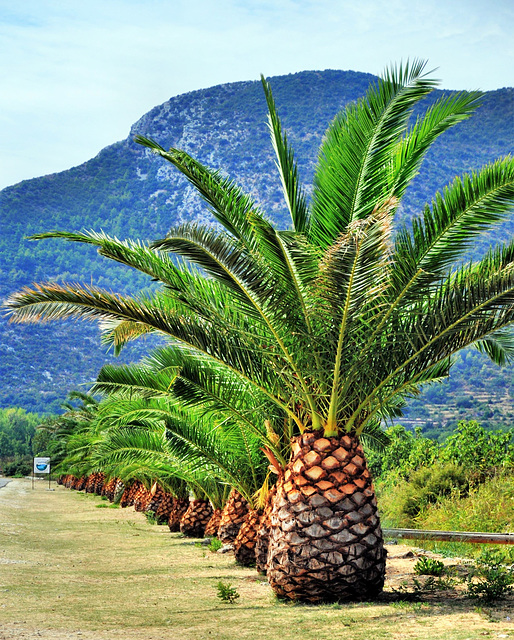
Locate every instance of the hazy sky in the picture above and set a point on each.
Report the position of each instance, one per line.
(75, 75)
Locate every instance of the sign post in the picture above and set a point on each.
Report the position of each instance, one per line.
(41, 465)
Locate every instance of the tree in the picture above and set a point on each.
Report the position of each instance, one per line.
(331, 324)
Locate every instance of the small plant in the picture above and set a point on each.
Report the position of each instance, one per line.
(226, 592)
(426, 566)
(214, 545)
(150, 517)
(493, 579)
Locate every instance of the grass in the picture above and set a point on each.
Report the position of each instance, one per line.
(67, 566)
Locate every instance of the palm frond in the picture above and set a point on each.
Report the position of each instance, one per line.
(227, 202)
(444, 114)
(288, 170)
(466, 208)
(354, 172)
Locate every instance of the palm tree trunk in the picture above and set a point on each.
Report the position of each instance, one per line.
(99, 483)
(178, 509)
(141, 499)
(90, 483)
(118, 491)
(214, 523)
(127, 499)
(155, 500)
(244, 544)
(163, 511)
(262, 542)
(109, 488)
(195, 519)
(325, 537)
(79, 483)
(232, 517)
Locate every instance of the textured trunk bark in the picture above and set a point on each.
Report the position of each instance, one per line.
(178, 509)
(214, 523)
(195, 519)
(325, 537)
(244, 544)
(90, 483)
(155, 500)
(232, 517)
(127, 499)
(163, 511)
(118, 491)
(99, 483)
(109, 488)
(79, 483)
(262, 542)
(141, 499)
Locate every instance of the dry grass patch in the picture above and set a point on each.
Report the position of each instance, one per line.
(68, 567)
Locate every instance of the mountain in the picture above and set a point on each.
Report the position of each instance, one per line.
(127, 191)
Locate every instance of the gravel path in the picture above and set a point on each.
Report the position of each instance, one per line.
(3, 482)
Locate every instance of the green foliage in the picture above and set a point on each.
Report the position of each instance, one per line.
(18, 468)
(443, 496)
(478, 450)
(214, 545)
(469, 446)
(406, 451)
(226, 592)
(427, 566)
(491, 579)
(17, 430)
(489, 507)
(151, 517)
(407, 499)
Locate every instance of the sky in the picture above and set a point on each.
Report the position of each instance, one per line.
(74, 76)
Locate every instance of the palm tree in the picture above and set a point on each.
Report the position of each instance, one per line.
(330, 325)
(219, 444)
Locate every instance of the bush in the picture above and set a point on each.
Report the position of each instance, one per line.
(491, 579)
(478, 450)
(487, 507)
(18, 468)
(406, 452)
(426, 566)
(425, 486)
(215, 545)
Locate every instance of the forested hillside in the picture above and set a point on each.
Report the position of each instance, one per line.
(128, 192)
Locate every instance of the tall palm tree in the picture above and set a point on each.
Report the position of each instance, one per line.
(329, 325)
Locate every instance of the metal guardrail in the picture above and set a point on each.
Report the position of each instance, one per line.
(450, 536)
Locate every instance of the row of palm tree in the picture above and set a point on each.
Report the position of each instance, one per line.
(166, 462)
(302, 340)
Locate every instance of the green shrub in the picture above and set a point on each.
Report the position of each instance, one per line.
(150, 517)
(407, 499)
(426, 566)
(214, 545)
(406, 452)
(226, 592)
(18, 468)
(477, 449)
(491, 579)
(487, 507)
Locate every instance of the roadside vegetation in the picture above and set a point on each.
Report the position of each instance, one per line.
(285, 351)
(138, 581)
